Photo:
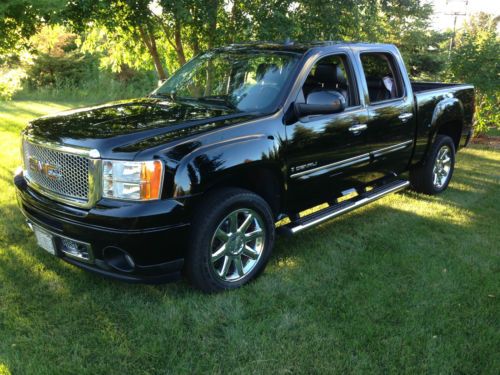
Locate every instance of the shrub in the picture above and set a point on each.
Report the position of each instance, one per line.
(475, 60)
(10, 82)
(487, 113)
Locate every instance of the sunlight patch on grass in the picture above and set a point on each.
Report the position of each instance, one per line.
(440, 211)
(287, 262)
(4, 370)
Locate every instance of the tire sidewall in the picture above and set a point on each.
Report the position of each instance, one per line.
(200, 252)
(440, 142)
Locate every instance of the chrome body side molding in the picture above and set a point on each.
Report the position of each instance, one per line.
(351, 161)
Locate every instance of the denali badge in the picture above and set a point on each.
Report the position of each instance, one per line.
(51, 171)
(303, 167)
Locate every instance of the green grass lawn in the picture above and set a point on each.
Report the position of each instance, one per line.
(409, 284)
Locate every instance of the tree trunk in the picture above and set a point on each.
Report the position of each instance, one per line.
(179, 48)
(235, 17)
(150, 42)
(212, 22)
(196, 45)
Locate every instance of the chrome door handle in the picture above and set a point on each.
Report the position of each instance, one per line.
(358, 128)
(405, 117)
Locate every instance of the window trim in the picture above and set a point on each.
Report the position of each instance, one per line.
(351, 78)
(396, 70)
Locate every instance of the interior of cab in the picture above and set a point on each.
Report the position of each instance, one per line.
(381, 78)
(328, 74)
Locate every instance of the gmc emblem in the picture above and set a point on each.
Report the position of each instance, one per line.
(49, 170)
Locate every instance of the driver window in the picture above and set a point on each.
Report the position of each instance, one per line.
(330, 74)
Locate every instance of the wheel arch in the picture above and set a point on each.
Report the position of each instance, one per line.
(448, 119)
(264, 181)
(252, 163)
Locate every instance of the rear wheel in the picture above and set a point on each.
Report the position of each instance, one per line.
(435, 175)
(232, 239)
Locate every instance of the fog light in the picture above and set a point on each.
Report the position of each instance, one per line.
(75, 249)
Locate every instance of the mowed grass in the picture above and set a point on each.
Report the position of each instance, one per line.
(409, 284)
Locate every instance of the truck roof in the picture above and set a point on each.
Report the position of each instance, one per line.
(301, 47)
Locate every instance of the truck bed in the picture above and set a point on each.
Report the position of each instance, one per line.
(427, 96)
(427, 86)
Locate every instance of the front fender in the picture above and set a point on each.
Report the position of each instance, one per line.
(207, 165)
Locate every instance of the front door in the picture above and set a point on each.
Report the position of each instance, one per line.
(327, 154)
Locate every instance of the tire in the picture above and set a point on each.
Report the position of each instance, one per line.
(220, 235)
(435, 174)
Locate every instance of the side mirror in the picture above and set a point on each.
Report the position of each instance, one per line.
(321, 103)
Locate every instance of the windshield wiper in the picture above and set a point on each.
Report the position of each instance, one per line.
(218, 100)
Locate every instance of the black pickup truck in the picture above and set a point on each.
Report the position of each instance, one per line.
(196, 178)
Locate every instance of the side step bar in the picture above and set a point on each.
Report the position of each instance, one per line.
(343, 207)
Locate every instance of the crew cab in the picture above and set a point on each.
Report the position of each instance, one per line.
(199, 176)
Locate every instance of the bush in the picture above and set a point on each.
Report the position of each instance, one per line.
(104, 86)
(57, 61)
(10, 82)
(57, 69)
(487, 113)
(475, 60)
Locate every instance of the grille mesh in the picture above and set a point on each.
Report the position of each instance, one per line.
(73, 180)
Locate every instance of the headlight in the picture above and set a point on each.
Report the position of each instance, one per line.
(134, 180)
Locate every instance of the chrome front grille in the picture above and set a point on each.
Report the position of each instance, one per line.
(62, 173)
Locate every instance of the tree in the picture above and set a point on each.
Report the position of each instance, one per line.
(475, 60)
(19, 19)
(133, 19)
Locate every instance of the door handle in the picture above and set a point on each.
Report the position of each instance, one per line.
(405, 117)
(358, 128)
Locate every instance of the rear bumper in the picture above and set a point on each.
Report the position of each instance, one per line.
(144, 232)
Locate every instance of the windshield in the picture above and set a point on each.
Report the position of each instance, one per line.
(249, 81)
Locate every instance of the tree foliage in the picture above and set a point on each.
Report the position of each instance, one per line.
(186, 27)
(475, 60)
(19, 19)
(132, 36)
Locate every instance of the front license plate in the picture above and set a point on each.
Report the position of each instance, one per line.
(45, 240)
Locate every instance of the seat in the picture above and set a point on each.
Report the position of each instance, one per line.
(377, 90)
(331, 77)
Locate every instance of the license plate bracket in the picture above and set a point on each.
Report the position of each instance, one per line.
(45, 240)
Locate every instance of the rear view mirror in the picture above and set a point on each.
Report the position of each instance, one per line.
(321, 103)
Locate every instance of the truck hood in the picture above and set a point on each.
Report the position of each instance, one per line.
(122, 128)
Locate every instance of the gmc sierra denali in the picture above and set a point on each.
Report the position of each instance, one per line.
(194, 178)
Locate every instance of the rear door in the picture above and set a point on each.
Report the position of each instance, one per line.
(391, 122)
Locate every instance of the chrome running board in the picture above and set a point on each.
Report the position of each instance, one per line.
(343, 207)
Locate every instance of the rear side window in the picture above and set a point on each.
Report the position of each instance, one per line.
(382, 77)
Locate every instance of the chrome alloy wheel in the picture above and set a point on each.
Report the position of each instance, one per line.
(442, 167)
(237, 244)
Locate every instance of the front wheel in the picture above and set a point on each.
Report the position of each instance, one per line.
(231, 240)
(435, 175)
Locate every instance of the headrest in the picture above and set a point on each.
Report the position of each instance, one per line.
(375, 83)
(330, 74)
